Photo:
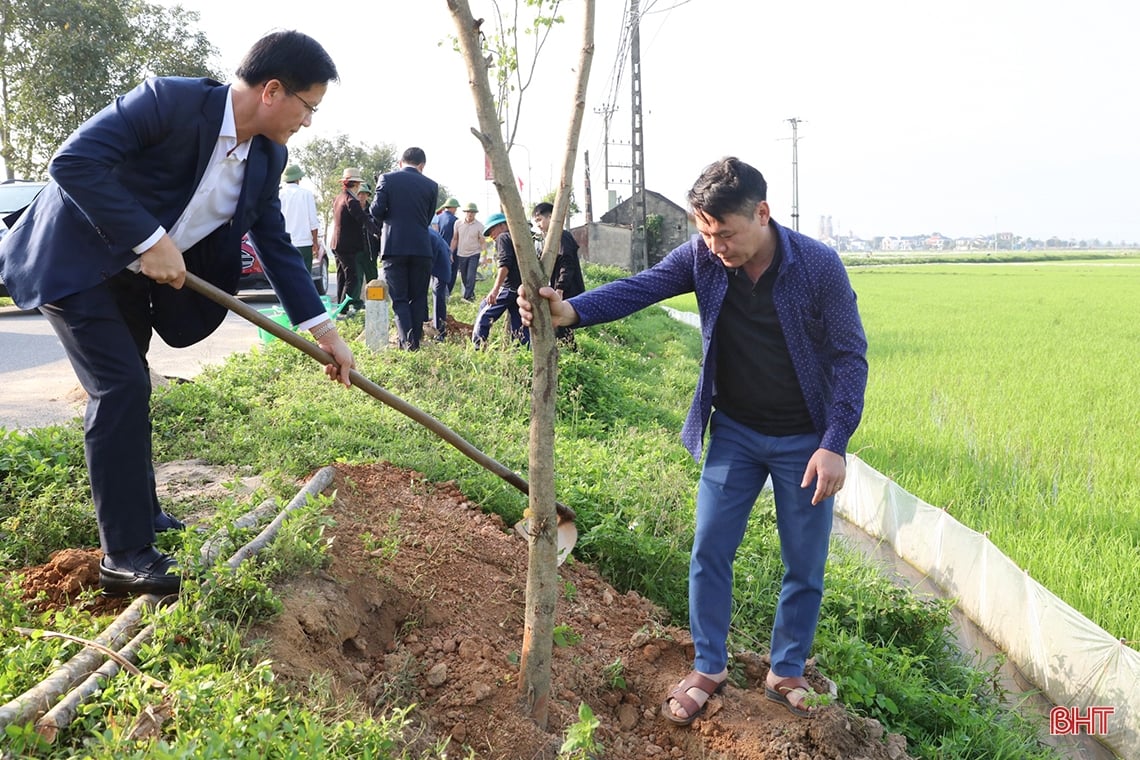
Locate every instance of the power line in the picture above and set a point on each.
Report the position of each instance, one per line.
(649, 7)
(624, 56)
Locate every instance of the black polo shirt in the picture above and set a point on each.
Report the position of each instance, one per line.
(505, 248)
(756, 384)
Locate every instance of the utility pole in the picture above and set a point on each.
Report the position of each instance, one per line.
(795, 173)
(606, 111)
(589, 192)
(640, 252)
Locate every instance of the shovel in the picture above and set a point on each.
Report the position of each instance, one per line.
(567, 531)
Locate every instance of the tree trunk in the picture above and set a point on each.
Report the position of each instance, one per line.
(542, 574)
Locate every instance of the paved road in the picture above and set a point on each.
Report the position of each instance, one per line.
(38, 386)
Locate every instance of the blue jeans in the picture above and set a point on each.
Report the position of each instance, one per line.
(490, 312)
(737, 463)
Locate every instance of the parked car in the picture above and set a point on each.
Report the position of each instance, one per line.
(15, 194)
(253, 276)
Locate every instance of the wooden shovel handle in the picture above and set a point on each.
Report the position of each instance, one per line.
(215, 294)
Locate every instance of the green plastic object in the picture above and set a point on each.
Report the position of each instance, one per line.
(278, 315)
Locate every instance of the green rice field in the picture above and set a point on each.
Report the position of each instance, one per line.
(1009, 394)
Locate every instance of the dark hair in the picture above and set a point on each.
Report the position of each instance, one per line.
(414, 157)
(727, 186)
(295, 59)
(543, 209)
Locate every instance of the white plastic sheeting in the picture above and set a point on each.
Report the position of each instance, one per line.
(1071, 659)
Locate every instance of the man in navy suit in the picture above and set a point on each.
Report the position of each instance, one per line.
(165, 179)
(405, 205)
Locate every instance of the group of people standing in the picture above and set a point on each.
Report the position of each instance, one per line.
(423, 253)
(566, 278)
(139, 198)
(393, 225)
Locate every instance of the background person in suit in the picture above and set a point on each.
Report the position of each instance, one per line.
(445, 225)
(440, 274)
(165, 179)
(404, 205)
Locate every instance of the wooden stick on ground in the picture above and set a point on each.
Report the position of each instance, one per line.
(33, 702)
(65, 711)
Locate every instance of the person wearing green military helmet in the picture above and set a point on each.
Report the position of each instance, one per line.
(299, 208)
(466, 248)
(502, 297)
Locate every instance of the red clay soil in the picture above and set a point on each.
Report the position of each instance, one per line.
(423, 602)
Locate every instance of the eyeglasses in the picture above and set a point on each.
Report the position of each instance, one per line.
(312, 108)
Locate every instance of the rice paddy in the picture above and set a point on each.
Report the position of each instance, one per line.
(1009, 395)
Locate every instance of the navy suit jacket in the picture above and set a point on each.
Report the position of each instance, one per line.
(405, 204)
(132, 167)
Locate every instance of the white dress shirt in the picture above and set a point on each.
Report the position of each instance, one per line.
(216, 199)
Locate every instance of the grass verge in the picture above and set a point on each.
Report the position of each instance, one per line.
(624, 390)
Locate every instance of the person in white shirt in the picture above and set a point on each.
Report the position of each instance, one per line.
(466, 246)
(299, 208)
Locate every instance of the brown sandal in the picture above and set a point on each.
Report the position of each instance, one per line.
(785, 687)
(679, 694)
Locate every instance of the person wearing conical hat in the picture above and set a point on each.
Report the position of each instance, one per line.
(350, 225)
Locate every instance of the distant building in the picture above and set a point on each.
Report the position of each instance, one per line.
(938, 243)
(825, 230)
(668, 228)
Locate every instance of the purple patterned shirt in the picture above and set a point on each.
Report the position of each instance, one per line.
(818, 315)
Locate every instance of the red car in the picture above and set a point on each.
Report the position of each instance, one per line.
(253, 276)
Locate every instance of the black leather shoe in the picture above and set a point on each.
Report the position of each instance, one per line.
(157, 576)
(164, 522)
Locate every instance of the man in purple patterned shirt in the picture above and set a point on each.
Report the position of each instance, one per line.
(785, 370)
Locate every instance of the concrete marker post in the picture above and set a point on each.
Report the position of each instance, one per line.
(376, 315)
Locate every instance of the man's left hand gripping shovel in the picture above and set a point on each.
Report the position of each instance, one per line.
(567, 531)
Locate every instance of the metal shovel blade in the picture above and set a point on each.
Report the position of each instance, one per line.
(566, 538)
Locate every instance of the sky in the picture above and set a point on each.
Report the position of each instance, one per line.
(963, 118)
